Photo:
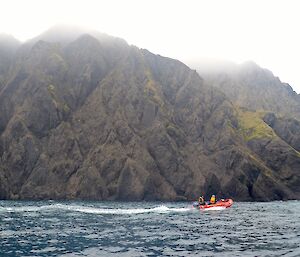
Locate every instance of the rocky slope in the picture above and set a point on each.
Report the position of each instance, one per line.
(250, 86)
(95, 118)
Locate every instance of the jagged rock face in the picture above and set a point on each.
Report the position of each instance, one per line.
(287, 129)
(95, 118)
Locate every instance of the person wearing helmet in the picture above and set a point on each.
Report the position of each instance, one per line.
(201, 200)
(212, 199)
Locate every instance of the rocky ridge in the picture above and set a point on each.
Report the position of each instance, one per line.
(95, 118)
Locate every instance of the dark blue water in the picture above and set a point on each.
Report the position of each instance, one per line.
(51, 228)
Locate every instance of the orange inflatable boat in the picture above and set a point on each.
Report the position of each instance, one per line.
(221, 204)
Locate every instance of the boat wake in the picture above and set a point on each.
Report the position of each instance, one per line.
(94, 210)
(158, 209)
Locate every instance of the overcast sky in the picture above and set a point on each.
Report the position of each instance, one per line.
(265, 31)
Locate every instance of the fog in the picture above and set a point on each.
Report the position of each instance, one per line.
(265, 31)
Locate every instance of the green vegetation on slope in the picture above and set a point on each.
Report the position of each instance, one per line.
(251, 125)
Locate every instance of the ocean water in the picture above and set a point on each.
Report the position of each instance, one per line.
(51, 228)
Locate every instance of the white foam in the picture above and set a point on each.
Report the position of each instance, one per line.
(94, 210)
(159, 209)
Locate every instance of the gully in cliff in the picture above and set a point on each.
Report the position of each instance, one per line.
(212, 204)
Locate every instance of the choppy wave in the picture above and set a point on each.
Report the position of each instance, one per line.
(49, 228)
(94, 210)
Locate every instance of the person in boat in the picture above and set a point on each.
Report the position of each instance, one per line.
(201, 200)
(212, 199)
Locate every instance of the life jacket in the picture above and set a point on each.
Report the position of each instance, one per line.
(213, 199)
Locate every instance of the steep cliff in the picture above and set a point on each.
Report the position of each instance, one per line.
(95, 118)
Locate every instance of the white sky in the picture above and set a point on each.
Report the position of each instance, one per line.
(265, 31)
